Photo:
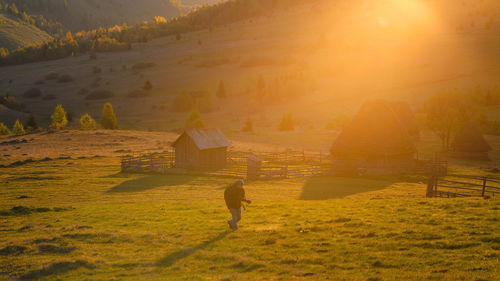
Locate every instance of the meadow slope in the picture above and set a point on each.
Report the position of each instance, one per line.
(71, 214)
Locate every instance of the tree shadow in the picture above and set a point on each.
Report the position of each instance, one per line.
(150, 182)
(322, 188)
(174, 257)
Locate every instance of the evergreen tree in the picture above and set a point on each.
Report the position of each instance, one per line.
(87, 122)
(4, 130)
(194, 121)
(286, 123)
(59, 118)
(32, 124)
(261, 84)
(18, 128)
(148, 86)
(248, 126)
(108, 118)
(221, 90)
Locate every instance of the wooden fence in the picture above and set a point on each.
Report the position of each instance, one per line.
(462, 186)
(260, 165)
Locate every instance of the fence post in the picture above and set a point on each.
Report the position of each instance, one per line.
(484, 186)
(430, 185)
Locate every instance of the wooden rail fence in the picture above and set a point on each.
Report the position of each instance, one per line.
(462, 186)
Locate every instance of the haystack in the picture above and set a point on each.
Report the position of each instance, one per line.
(470, 143)
(374, 138)
(407, 118)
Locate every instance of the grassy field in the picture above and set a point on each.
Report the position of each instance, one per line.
(81, 219)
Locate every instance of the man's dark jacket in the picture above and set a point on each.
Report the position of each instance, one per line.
(233, 196)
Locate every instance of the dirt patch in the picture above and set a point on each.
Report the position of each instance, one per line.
(12, 250)
(12, 142)
(23, 210)
(54, 249)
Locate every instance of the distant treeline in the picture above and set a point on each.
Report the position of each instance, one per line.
(119, 38)
(53, 28)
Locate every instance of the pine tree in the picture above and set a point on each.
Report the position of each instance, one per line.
(32, 124)
(4, 130)
(194, 121)
(108, 118)
(59, 118)
(18, 128)
(221, 90)
(286, 123)
(148, 86)
(87, 122)
(248, 126)
(261, 84)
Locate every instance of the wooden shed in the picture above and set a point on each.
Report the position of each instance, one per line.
(201, 149)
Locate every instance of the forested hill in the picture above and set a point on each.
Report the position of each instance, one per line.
(15, 32)
(76, 15)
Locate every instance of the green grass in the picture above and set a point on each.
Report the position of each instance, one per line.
(109, 226)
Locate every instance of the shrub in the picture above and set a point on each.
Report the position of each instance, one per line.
(18, 128)
(11, 103)
(286, 123)
(52, 76)
(32, 124)
(59, 118)
(65, 78)
(194, 121)
(82, 92)
(96, 69)
(32, 93)
(137, 94)
(4, 130)
(248, 126)
(221, 90)
(148, 86)
(183, 103)
(49, 97)
(108, 118)
(87, 122)
(142, 65)
(99, 95)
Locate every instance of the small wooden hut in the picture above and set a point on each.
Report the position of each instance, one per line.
(469, 143)
(375, 141)
(201, 149)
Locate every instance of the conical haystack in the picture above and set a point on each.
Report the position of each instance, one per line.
(470, 143)
(407, 118)
(375, 133)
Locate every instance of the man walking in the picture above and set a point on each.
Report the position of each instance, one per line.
(234, 195)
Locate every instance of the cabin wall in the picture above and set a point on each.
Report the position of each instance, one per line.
(186, 153)
(213, 159)
(188, 156)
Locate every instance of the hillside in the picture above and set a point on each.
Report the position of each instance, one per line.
(77, 15)
(14, 33)
(318, 74)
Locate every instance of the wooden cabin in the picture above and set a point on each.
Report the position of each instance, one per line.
(201, 149)
(375, 141)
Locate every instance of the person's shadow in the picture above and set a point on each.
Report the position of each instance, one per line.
(172, 258)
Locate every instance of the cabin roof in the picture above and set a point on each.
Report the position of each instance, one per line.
(206, 138)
